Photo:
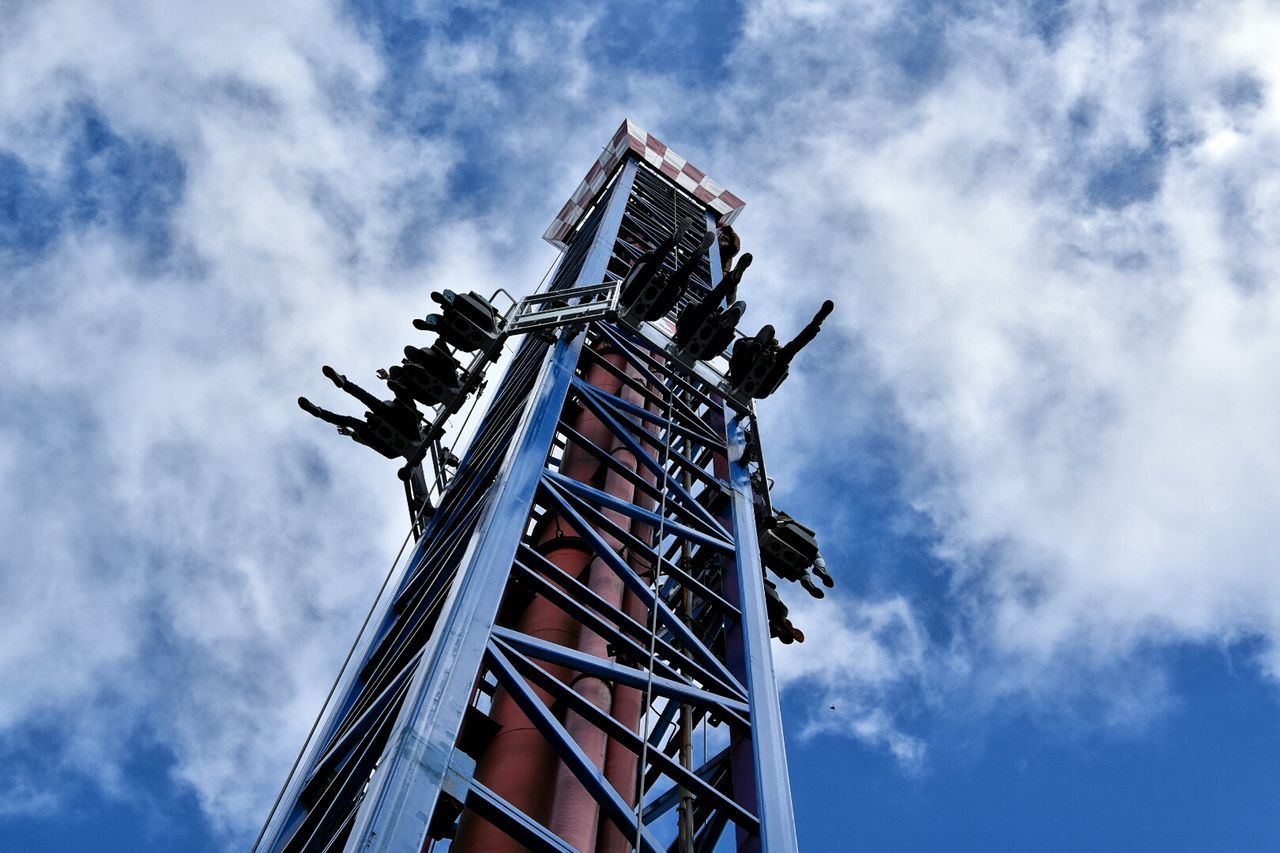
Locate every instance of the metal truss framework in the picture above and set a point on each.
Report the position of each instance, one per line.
(589, 584)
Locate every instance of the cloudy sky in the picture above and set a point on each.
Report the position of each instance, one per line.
(1040, 438)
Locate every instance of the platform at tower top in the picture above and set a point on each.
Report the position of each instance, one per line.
(630, 137)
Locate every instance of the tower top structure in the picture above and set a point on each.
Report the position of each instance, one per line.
(631, 137)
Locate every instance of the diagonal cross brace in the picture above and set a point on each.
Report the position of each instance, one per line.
(591, 777)
(663, 804)
(645, 458)
(639, 351)
(677, 575)
(623, 507)
(642, 590)
(723, 706)
(492, 807)
(632, 741)
(680, 427)
(572, 596)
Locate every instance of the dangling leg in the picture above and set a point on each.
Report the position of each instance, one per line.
(352, 388)
(820, 569)
(327, 416)
(807, 334)
(811, 587)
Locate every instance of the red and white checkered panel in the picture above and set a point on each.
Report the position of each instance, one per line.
(631, 137)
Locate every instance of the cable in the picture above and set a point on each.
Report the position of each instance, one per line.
(501, 425)
(559, 254)
(342, 671)
(653, 620)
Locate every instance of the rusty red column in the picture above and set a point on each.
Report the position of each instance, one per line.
(519, 764)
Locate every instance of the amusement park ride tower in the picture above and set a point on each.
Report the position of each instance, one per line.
(575, 655)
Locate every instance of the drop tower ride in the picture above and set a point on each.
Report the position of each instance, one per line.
(575, 654)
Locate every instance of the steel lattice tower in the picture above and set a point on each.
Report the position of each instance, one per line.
(576, 653)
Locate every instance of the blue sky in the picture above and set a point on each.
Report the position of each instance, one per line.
(1041, 456)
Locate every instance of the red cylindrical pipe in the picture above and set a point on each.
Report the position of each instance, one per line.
(575, 813)
(519, 764)
(621, 765)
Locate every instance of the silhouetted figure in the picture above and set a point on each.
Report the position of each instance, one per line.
(807, 334)
(789, 550)
(467, 322)
(704, 330)
(648, 292)
(648, 264)
(751, 360)
(758, 364)
(779, 625)
(361, 431)
(729, 246)
(428, 376)
(712, 337)
(678, 281)
(820, 569)
(390, 427)
(733, 277)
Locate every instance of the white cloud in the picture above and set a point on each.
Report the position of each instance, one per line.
(1082, 392)
(870, 652)
(186, 554)
(1086, 384)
